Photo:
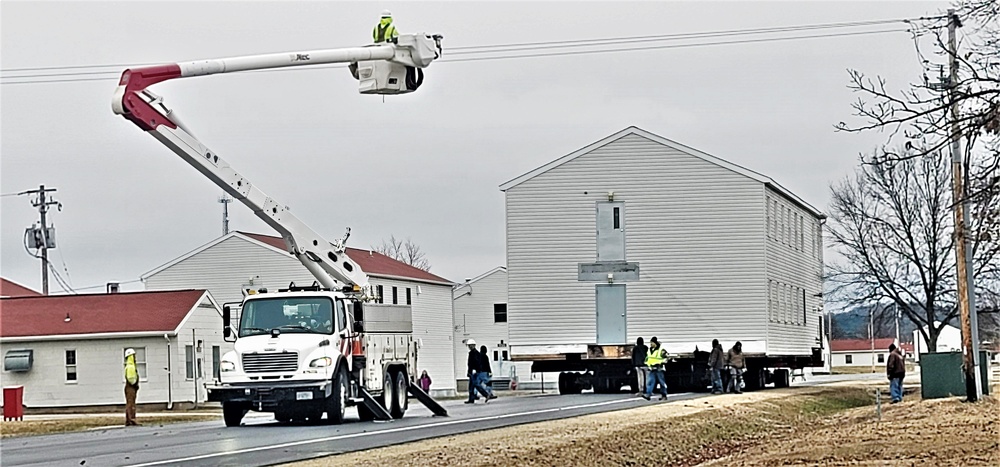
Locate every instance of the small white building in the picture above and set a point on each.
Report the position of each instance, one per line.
(950, 340)
(239, 261)
(68, 350)
(860, 353)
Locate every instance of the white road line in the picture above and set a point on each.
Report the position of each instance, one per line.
(382, 432)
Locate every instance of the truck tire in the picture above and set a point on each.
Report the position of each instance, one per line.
(782, 378)
(233, 413)
(337, 404)
(564, 383)
(282, 417)
(400, 401)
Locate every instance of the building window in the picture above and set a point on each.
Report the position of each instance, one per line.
(71, 366)
(617, 218)
(395, 296)
(848, 359)
(409, 301)
(189, 361)
(881, 358)
(496, 355)
(506, 356)
(140, 361)
(216, 359)
(499, 312)
(378, 291)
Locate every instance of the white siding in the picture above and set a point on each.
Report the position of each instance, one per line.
(100, 368)
(794, 276)
(861, 358)
(694, 227)
(225, 267)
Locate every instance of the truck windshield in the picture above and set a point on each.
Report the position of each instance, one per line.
(289, 315)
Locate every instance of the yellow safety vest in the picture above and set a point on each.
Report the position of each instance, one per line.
(131, 374)
(656, 357)
(384, 32)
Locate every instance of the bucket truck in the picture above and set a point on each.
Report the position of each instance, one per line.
(302, 351)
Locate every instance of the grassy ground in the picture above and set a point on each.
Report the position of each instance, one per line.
(45, 427)
(678, 434)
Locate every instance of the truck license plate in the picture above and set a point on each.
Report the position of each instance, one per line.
(303, 396)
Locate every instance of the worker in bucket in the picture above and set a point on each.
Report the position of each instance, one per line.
(385, 31)
(131, 387)
(474, 370)
(656, 360)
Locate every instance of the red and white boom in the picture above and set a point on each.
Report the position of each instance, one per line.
(381, 69)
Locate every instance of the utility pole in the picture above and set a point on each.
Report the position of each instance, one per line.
(225, 200)
(871, 334)
(963, 254)
(42, 237)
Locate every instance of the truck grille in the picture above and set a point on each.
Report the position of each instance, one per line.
(270, 362)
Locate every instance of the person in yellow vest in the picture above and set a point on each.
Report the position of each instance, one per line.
(131, 387)
(656, 359)
(385, 31)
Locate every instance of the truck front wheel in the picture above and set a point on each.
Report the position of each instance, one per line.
(337, 404)
(233, 413)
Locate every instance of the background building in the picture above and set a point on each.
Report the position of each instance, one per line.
(950, 340)
(238, 261)
(68, 350)
(858, 352)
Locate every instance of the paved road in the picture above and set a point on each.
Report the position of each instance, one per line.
(261, 441)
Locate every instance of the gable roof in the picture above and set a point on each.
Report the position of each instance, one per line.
(372, 263)
(109, 315)
(9, 288)
(846, 345)
(632, 130)
(481, 277)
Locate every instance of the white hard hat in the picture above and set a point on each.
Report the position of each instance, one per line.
(470, 342)
(386, 14)
(129, 352)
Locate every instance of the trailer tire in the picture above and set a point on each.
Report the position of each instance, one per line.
(282, 417)
(782, 378)
(400, 401)
(564, 383)
(336, 406)
(232, 413)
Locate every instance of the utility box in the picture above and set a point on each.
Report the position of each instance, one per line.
(13, 403)
(941, 375)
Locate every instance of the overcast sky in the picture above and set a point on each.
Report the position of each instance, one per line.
(426, 165)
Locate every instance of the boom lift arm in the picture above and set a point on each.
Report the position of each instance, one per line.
(380, 68)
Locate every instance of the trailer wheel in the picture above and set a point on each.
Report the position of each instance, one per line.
(233, 413)
(781, 378)
(337, 404)
(282, 417)
(400, 402)
(564, 383)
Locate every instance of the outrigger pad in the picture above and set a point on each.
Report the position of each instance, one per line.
(427, 401)
(374, 406)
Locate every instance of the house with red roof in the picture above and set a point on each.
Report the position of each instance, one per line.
(862, 352)
(239, 261)
(68, 350)
(9, 288)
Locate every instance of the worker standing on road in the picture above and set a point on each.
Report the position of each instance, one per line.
(486, 373)
(656, 360)
(425, 382)
(715, 364)
(895, 369)
(474, 365)
(385, 31)
(737, 365)
(131, 387)
(639, 363)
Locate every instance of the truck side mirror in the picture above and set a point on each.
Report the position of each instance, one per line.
(359, 317)
(227, 329)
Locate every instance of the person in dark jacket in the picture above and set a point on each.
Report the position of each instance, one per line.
(474, 372)
(639, 363)
(895, 369)
(486, 373)
(715, 363)
(737, 365)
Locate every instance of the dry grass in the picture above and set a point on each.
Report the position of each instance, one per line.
(45, 427)
(678, 434)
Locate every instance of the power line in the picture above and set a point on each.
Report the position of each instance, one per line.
(511, 47)
(531, 55)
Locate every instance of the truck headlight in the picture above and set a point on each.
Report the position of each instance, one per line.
(321, 362)
(226, 366)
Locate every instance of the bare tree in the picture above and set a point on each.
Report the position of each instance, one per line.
(890, 222)
(918, 122)
(404, 251)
